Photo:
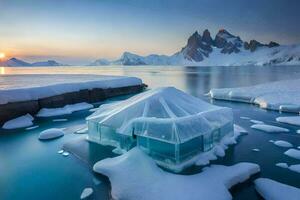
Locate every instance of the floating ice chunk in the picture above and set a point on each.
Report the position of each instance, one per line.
(298, 131)
(272, 141)
(86, 193)
(256, 150)
(60, 151)
(295, 120)
(65, 153)
(60, 120)
(219, 151)
(256, 121)
(51, 133)
(66, 110)
(269, 128)
(298, 147)
(282, 165)
(295, 168)
(282, 143)
(149, 182)
(294, 153)
(19, 122)
(32, 127)
(246, 118)
(96, 181)
(273, 190)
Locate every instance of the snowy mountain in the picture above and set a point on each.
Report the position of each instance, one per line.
(14, 62)
(225, 49)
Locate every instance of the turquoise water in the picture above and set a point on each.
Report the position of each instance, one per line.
(30, 169)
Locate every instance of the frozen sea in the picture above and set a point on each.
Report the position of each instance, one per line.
(31, 169)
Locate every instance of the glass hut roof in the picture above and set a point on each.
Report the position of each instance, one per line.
(166, 114)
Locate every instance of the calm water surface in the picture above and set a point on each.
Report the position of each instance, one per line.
(30, 169)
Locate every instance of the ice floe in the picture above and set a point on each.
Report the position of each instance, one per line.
(68, 109)
(281, 95)
(273, 190)
(51, 133)
(60, 151)
(149, 182)
(294, 120)
(65, 153)
(298, 131)
(293, 153)
(239, 129)
(282, 143)
(282, 165)
(31, 127)
(256, 150)
(269, 128)
(246, 118)
(87, 192)
(62, 84)
(19, 122)
(295, 168)
(256, 121)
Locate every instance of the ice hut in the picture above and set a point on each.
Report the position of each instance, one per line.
(166, 123)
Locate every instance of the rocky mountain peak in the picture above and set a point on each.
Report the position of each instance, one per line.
(207, 38)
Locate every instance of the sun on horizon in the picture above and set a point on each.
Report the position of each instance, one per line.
(2, 55)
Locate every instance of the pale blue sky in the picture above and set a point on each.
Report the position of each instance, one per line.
(83, 30)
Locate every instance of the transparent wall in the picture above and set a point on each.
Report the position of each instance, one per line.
(93, 130)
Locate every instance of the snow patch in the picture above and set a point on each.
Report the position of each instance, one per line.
(19, 122)
(149, 182)
(269, 128)
(273, 190)
(51, 133)
(66, 110)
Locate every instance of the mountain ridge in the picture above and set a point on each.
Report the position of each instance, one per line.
(224, 49)
(15, 62)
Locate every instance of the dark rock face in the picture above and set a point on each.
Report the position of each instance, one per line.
(273, 44)
(191, 51)
(253, 45)
(207, 38)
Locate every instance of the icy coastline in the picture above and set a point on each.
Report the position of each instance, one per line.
(282, 96)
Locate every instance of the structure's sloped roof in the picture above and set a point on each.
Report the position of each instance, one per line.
(165, 113)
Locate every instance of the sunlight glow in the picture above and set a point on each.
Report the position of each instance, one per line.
(2, 70)
(2, 55)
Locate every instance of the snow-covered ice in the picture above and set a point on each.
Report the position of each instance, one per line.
(269, 128)
(60, 151)
(295, 120)
(65, 153)
(282, 143)
(86, 193)
(298, 131)
(294, 153)
(273, 190)
(240, 129)
(281, 95)
(66, 110)
(19, 122)
(282, 165)
(256, 121)
(42, 86)
(51, 134)
(256, 150)
(149, 182)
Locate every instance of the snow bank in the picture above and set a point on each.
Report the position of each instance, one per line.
(294, 153)
(269, 128)
(295, 120)
(43, 86)
(282, 143)
(281, 95)
(273, 190)
(51, 134)
(147, 181)
(66, 110)
(19, 122)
